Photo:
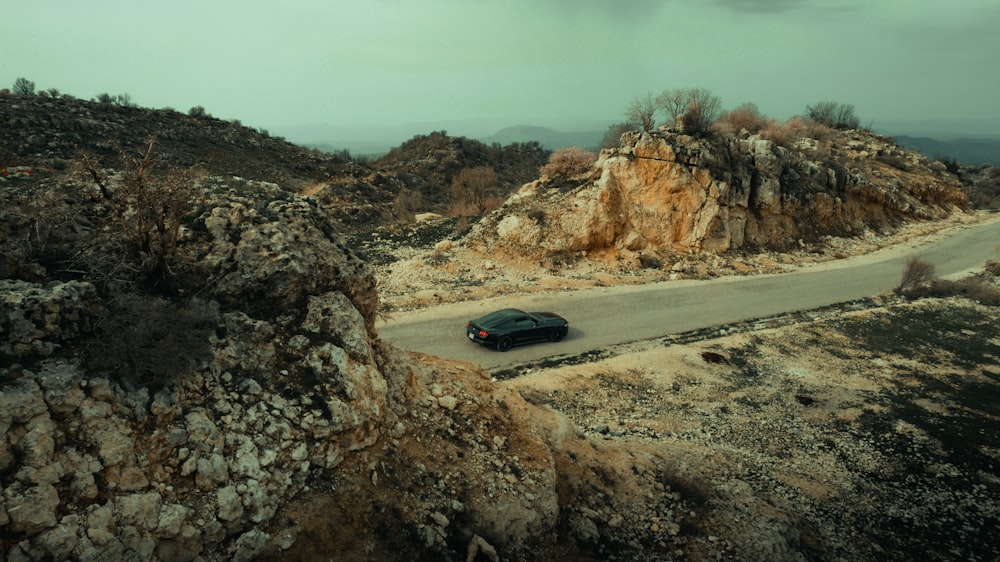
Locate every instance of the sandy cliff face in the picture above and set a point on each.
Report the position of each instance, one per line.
(663, 190)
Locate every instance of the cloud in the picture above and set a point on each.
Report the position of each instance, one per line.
(626, 11)
(769, 6)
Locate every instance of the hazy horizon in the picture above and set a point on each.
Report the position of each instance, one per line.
(423, 65)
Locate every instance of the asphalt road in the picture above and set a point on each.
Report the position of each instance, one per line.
(603, 317)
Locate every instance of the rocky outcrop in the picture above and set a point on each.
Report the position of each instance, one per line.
(98, 465)
(663, 190)
(282, 385)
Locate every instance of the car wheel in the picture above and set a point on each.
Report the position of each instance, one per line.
(504, 344)
(557, 334)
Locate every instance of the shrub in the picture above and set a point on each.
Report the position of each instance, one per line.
(993, 268)
(794, 129)
(918, 272)
(537, 215)
(406, 204)
(833, 114)
(568, 163)
(649, 261)
(197, 111)
(744, 117)
(474, 187)
(149, 341)
(148, 208)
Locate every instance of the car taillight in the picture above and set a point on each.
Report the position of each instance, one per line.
(482, 333)
(469, 325)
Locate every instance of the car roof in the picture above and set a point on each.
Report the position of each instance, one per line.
(501, 315)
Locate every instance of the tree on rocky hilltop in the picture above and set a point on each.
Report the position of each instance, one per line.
(643, 111)
(692, 110)
(23, 87)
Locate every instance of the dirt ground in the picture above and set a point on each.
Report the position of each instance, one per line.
(843, 434)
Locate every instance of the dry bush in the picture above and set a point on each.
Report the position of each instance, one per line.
(972, 288)
(993, 268)
(537, 215)
(568, 162)
(918, 272)
(149, 207)
(149, 341)
(406, 204)
(649, 261)
(794, 129)
(833, 114)
(474, 187)
(745, 117)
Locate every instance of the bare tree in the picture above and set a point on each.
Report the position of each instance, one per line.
(473, 187)
(691, 110)
(148, 205)
(23, 87)
(613, 136)
(642, 110)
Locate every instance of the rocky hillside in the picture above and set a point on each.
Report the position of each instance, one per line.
(211, 385)
(429, 163)
(667, 191)
(44, 134)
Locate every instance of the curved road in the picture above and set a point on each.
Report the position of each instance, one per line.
(603, 317)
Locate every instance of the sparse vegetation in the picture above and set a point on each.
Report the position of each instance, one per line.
(918, 272)
(744, 117)
(406, 204)
(474, 187)
(150, 341)
(691, 110)
(642, 110)
(833, 114)
(537, 215)
(568, 163)
(148, 206)
(919, 281)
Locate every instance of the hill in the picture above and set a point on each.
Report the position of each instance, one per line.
(191, 368)
(967, 151)
(49, 133)
(549, 138)
(429, 163)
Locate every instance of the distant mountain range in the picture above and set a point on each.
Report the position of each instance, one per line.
(548, 138)
(970, 151)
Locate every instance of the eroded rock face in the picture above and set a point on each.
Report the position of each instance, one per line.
(100, 467)
(665, 190)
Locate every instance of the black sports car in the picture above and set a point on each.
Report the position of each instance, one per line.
(506, 328)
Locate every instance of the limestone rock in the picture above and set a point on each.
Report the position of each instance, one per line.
(676, 192)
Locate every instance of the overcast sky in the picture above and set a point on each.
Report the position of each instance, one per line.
(561, 63)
